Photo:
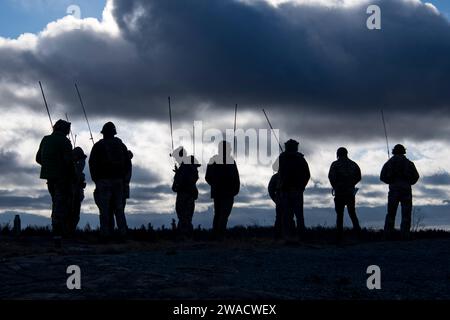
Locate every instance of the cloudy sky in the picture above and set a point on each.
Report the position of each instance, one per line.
(320, 73)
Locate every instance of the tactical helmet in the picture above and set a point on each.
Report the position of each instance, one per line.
(78, 154)
(62, 126)
(399, 149)
(341, 152)
(109, 128)
(291, 145)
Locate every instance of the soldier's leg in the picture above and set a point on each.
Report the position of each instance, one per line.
(392, 207)
(278, 217)
(56, 227)
(217, 207)
(62, 207)
(351, 208)
(297, 204)
(74, 217)
(285, 215)
(406, 202)
(182, 209)
(112, 220)
(339, 206)
(190, 212)
(102, 197)
(226, 211)
(117, 203)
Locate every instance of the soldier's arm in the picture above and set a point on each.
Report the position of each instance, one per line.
(332, 175)
(357, 174)
(38, 154)
(415, 173)
(307, 174)
(384, 175)
(127, 160)
(93, 158)
(272, 189)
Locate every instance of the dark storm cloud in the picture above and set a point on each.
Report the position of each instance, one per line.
(13, 172)
(438, 179)
(300, 59)
(296, 57)
(150, 193)
(7, 161)
(9, 200)
(143, 176)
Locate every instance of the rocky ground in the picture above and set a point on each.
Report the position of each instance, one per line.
(254, 268)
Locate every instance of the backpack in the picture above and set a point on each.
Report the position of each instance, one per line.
(114, 155)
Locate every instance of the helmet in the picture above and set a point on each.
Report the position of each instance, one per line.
(341, 152)
(109, 128)
(291, 145)
(78, 154)
(62, 126)
(399, 149)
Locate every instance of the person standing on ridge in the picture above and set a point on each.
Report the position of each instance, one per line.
(400, 174)
(184, 184)
(344, 175)
(223, 176)
(55, 157)
(294, 176)
(109, 164)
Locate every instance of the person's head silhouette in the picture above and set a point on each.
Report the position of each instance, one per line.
(109, 130)
(342, 153)
(78, 154)
(291, 145)
(399, 150)
(62, 126)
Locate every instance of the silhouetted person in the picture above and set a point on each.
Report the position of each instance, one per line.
(184, 184)
(78, 185)
(55, 157)
(400, 173)
(109, 164)
(126, 193)
(344, 175)
(294, 176)
(223, 176)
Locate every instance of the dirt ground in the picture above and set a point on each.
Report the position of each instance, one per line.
(235, 269)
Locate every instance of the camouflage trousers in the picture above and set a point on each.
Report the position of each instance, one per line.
(61, 194)
(340, 202)
(396, 197)
(222, 210)
(185, 206)
(291, 205)
(108, 196)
